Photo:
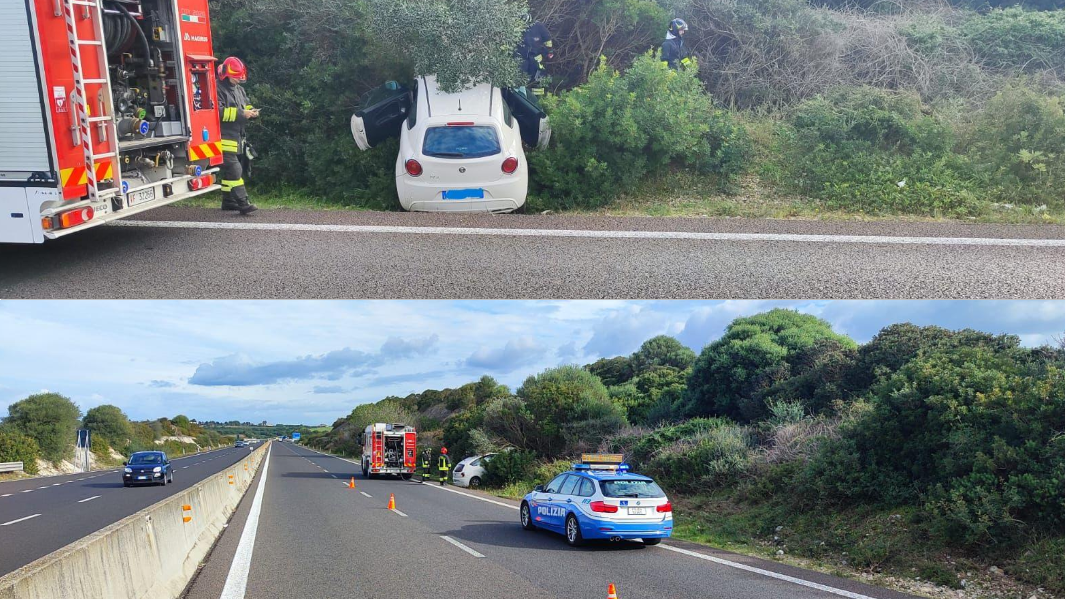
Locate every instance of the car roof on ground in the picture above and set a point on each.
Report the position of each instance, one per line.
(471, 102)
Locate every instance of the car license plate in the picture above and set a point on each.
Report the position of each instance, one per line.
(140, 197)
(141, 477)
(462, 194)
(637, 511)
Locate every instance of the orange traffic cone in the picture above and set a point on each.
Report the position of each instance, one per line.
(392, 502)
(611, 594)
(351, 484)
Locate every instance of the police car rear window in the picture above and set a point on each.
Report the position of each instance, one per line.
(461, 141)
(631, 488)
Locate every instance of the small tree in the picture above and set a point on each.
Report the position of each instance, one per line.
(662, 351)
(462, 42)
(50, 419)
(109, 423)
(15, 447)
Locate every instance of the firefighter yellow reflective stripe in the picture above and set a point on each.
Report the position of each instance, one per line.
(229, 184)
(229, 114)
(229, 145)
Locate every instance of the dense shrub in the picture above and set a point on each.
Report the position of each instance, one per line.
(612, 371)
(712, 458)
(509, 467)
(609, 133)
(734, 374)
(110, 424)
(15, 447)
(1016, 39)
(1015, 147)
(662, 351)
(50, 419)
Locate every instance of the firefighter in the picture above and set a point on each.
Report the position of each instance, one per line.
(536, 44)
(673, 52)
(426, 476)
(234, 112)
(443, 465)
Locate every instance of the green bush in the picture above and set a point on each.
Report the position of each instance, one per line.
(108, 423)
(734, 375)
(870, 150)
(1015, 147)
(50, 419)
(717, 456)
(1016, 39)
(15, 447)
(617, 128)
(662, 351)
(509, 467)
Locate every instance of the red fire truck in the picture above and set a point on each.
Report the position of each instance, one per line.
(389, 449)
(107, 109)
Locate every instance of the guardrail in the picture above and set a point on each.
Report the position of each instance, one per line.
(152, 553)
(10, 466)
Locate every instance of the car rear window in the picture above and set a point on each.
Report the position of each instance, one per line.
(465, 141)
(631, 488)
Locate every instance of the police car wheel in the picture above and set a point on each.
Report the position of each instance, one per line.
(573, 531)
(527, 520)
(651, 541)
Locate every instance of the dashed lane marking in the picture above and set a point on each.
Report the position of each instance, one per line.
(87, 499)
(365, 494)
(397, 511)
(607, 234)
(20, 520)
(462, 546)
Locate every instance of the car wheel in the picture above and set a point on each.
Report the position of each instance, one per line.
(124, 484)
(475, 482)
(164, 482)
(651, 541)
(573, 531)
(172, 477)
(526, 518)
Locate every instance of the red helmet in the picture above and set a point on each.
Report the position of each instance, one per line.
(233, 67)
(443, 450)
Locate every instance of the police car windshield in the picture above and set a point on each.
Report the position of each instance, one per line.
(631, 488)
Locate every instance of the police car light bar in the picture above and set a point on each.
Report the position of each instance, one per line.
(602, 462)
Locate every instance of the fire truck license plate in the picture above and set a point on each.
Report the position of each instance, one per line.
(140, 197)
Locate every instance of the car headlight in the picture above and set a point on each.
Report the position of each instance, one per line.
(128, 470)
(157, 469)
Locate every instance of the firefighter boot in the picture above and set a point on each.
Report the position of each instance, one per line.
(248, 208)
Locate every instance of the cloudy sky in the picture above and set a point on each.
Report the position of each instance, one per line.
(311, 362)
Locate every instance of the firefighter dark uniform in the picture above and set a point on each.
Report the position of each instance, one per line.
(535, 45)
(673, 51)
(426, 474)
(232, 104)
(443, 466)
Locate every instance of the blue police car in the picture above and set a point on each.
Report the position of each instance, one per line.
(600, 499)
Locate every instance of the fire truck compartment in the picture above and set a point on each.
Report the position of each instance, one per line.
(25, 153)
(393, 455)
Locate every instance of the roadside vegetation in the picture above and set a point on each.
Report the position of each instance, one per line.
(924, 457)
(40, 431)
(832, 109)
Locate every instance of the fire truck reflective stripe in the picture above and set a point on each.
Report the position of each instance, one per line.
(229, 145)
(104, 171)
(80, 175)
(208, 150)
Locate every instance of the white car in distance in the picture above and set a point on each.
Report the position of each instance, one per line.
(470, 471)
(459, 152)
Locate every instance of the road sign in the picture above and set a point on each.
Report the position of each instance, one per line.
(296, 436)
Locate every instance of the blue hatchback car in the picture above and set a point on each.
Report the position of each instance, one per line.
(150, 467)
(600, 499)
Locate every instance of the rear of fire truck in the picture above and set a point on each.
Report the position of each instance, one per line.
(389, 449)
(107, 110)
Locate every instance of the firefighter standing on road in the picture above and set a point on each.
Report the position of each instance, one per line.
(425, 465)
(234, 112)
(443, 465)
(673, 53)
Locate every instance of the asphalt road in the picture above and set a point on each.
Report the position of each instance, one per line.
(203, 253)
(316, 538)
(42, 514)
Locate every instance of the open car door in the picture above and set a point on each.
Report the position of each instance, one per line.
(383, 110)
(532, 121)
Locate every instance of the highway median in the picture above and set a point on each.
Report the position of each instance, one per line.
(152, 553)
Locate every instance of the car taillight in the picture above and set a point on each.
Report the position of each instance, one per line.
(602, 507)
(75, 217)
(414, 169)
(510, 165)
(664, 508)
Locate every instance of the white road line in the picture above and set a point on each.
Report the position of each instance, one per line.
(4, 495)
(749, 568)
(20, 520)
(365, 494)
(26, 491)
(448, 489)
(608, 234)
(87, 499)
(43, 487)
(55, 484)
(462, 546)
(397, 511)
(185, 467)
(237, 579)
